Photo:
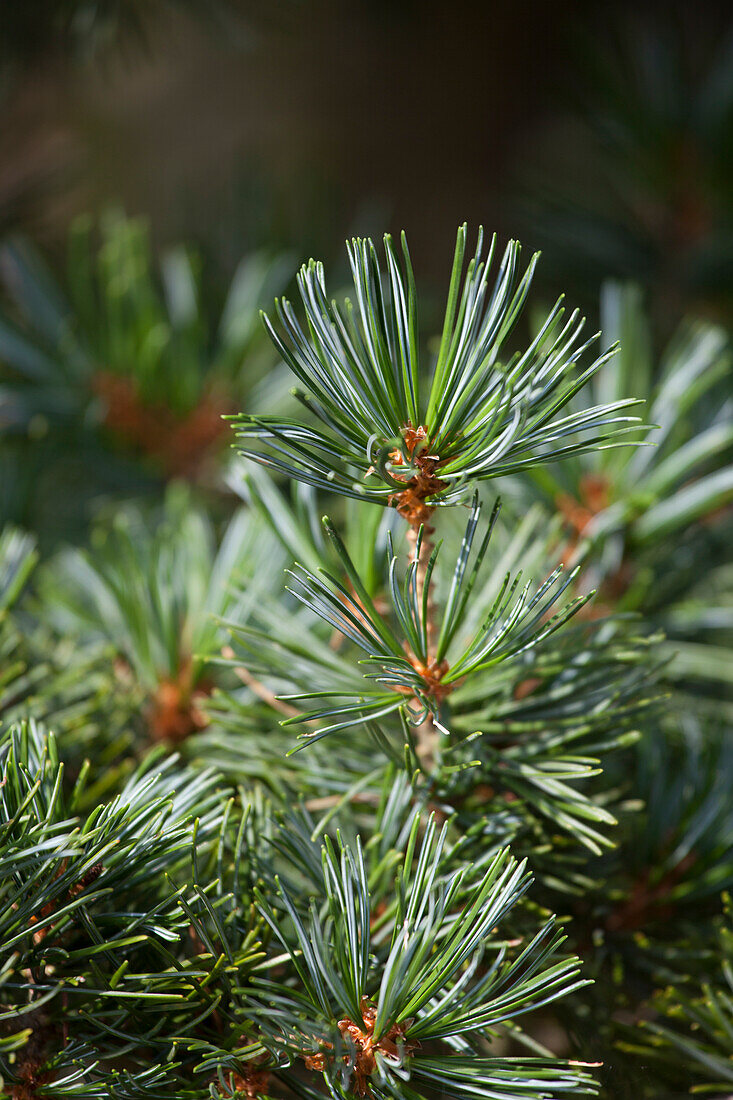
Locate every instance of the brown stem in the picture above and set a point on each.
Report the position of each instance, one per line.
(422, 559)
(426, 734)
(259, 688)
(328, 801)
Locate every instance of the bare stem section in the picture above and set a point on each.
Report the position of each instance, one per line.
(426, 734)
(422, 558)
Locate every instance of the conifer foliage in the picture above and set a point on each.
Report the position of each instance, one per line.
(336, 767)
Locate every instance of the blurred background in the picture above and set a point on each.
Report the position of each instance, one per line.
(166, 164)
(600, 131)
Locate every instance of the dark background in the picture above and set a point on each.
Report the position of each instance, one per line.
(299, 123)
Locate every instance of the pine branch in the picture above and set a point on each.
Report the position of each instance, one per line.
(85, 911)
(406, 667)
(385, 435)
(153, 589)
(643, 521)
(365, 1026)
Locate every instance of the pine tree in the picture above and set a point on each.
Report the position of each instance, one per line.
(392, 770)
